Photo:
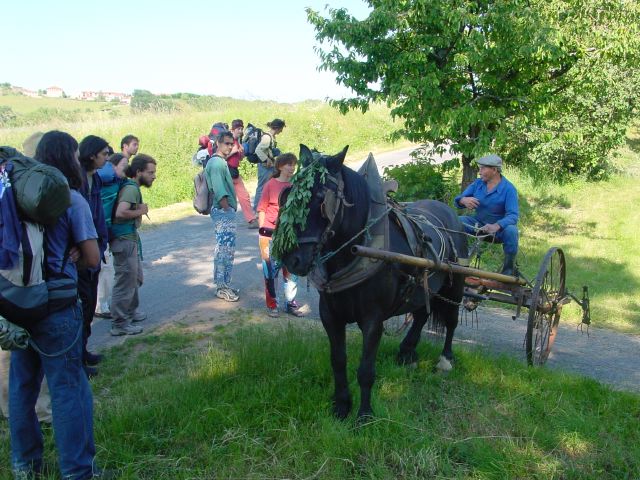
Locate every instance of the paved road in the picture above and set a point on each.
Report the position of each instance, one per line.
(178, 286)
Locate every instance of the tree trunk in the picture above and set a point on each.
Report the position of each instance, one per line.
(469, 172)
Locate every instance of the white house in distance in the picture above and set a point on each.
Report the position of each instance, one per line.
(54, 92)
(108, 96)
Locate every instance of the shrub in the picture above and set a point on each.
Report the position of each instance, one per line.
(7, 116)
(422, 179)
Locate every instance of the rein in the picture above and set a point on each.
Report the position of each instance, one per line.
(327, 256)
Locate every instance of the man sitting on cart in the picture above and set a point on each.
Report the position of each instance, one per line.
(495, 201)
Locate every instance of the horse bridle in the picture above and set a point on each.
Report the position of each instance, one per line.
(332, 209)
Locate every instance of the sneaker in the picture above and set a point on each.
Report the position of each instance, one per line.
(102, 314)
(92, 359)
(227, 294)
(139, 316)
(294, 309)
(273, 312)
(126, 330)
(253, 224)
(233, 289)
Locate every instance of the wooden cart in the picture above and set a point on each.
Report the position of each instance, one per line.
(544, 297)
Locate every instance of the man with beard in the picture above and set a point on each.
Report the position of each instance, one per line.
(126, 246)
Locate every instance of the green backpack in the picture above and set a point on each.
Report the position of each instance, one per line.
(41, 191)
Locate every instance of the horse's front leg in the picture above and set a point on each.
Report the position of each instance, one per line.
(336, 331)
(371, 327)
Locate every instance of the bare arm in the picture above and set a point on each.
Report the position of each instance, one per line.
(89, 254)
(124, 211)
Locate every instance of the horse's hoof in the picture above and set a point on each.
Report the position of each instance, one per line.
(341, 410)
(364, 418)
(444, 364)
(408, 358)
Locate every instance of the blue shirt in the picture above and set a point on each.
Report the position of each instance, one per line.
(74, 226)
(94, 199)
(107, 174)
(500, 205)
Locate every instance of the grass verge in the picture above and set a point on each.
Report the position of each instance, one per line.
(249, 400)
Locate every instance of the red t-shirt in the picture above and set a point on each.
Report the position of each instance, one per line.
(269, 201)
(234, 160)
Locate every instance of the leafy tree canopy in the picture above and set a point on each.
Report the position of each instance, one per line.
(470, 74)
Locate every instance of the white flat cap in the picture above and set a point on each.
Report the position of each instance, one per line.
(491, 160)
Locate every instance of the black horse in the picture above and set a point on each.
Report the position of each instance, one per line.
(394, 290)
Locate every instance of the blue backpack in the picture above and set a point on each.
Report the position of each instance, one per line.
(250, 140)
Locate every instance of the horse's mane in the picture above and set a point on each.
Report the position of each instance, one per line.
(356, 190)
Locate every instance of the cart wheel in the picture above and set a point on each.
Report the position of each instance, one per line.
(545, 307)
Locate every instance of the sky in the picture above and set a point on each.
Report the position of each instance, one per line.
(250, 49)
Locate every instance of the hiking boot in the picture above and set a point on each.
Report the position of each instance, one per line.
(227, 294)
(273, 312)
(139, 316)
(102, 314)
(508, 267)
(294, 309)
(253, 224)
(92, 359)
(125, 330)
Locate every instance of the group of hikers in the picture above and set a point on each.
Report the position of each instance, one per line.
(220, 156)
(95, 245)
(75, 245)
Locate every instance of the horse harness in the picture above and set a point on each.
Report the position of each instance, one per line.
(376, 235)
(332, 209)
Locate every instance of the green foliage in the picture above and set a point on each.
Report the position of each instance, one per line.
(296, 210)
(581, 128)
(421, 179)
(145, 101)
(463, 72)
(7, 116)
(172, 138)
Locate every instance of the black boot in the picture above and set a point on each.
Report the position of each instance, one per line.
(508, 267)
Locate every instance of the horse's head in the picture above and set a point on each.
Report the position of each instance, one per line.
(325, 200)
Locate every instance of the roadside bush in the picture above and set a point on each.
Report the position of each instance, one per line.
(145, 101)
(422, 179)
(7, 116)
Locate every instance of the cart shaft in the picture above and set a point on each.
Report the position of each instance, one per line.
(431, 265)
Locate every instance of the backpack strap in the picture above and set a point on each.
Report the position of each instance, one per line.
(121, 229)
(27, 255)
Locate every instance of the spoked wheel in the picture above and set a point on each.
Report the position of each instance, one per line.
(547, 299)
(398, 324)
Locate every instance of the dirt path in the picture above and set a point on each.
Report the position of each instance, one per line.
(178, 286)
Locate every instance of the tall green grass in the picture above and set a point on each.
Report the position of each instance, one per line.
(173, 138)
(255, 403)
